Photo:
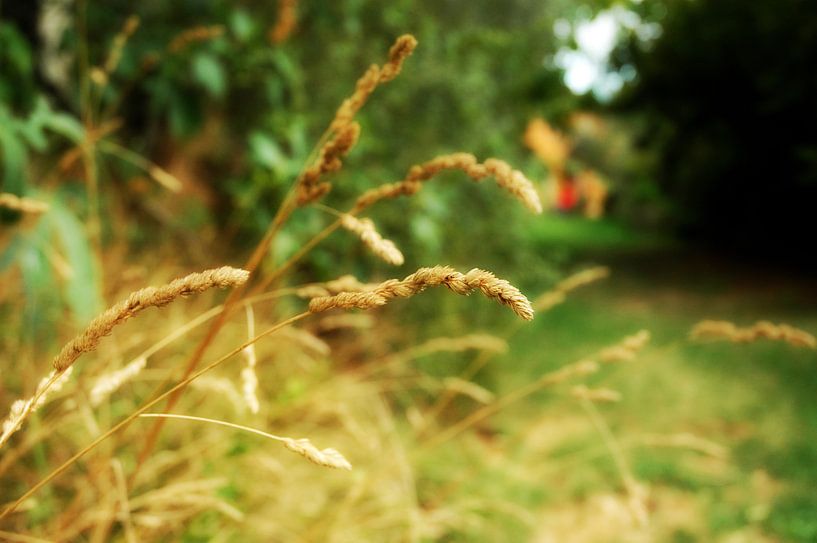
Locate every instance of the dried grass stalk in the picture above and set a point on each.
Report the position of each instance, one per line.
(637, 494)
(476, 279)
(368, 234)
(22, 204)
(581, 368)
(469, 388)
(109, 383)
(686, 441)
(480, 342)
(715, 330)
(222, 387)
(305, 340)
(344, 283)
(559, 293)
(102, 325)
(626, 349)
(374, 76)
(193, 35)
(343, 130)
(20, 409)
(345, 320)
(605, 395)
(164, 178)
(249, 379)
(506, 177)
(486, 343)
(310, 187)
(118, 44)
(329, 458)
(285, 21)
(582, 278)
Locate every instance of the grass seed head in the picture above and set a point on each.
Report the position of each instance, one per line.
(491, 286)
(329, 458)
(102, 325)
(506, 177)
(365, 229)
(724, 330)
(22, 204)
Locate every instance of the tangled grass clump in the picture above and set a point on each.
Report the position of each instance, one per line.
(310, 186)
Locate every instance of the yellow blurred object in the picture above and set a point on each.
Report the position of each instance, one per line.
(595, 191)
(287, 20)
(584, 124)
(549, 144)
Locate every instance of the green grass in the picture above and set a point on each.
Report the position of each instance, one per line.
(758, 400)
(573, 232)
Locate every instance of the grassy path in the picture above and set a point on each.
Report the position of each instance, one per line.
(758, 400)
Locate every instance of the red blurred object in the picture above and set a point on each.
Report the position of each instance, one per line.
(567, 196)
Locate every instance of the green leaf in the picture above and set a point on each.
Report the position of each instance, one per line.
(63, 124)
(67, 126)
(15, 48)
(9, 253)
(38, 279)
(32, 127)
(266, 152)
(82, 292)
(33, 135)
(185, 114)
(14, 156)
(242, 25)
(209, 73)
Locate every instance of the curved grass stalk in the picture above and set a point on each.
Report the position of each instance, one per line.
(634, 491)
(581, 368)
(327, 457)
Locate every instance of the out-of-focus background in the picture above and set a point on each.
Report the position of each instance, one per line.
(673, 144)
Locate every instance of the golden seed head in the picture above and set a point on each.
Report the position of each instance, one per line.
(402, 48)
(507, 178)
(102, 325)
(476, 279)
(607, 395)
(714, 330)
(329, 458)
(368, 234)
(22, 204)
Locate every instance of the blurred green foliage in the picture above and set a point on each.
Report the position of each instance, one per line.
(471, 86)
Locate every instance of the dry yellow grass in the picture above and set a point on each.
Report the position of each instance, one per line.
(193, 35)
(603, 395)
(21, 409)
(249, 379)
(105, 323)
(118, 44)
(22, 204)
(559, 293)
(166, 489)
(626, 349)
(329, 458)
(725, 330)
(285, 22)
(108, 383)
(476, 279)
(140, 300)
(506, 177)
(310, 187)
(368, 234)
(403, 47)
